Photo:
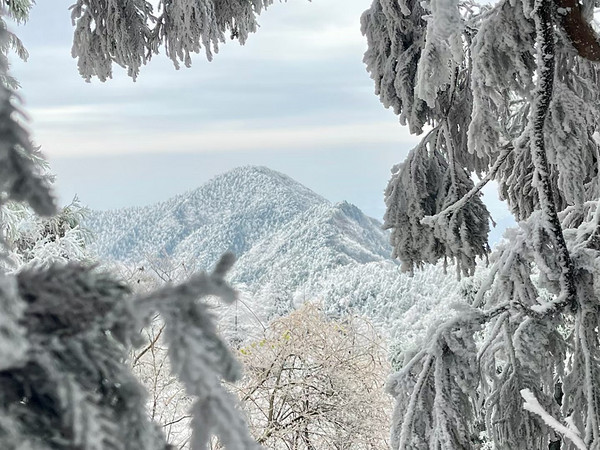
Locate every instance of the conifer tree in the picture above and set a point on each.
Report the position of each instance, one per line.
(66, 328)
(505, 91)
(509, 92)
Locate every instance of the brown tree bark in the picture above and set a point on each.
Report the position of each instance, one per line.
(581, 34)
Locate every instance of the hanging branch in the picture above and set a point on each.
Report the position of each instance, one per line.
(454, 207)
(541, 104)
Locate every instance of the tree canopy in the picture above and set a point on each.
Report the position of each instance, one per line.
(507, 92)
(313, 382)
(66, 328)
(129, 33)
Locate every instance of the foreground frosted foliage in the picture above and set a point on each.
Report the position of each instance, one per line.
(129, 33)
(417, 76)
(510, 91)
(66, 329)
(21, 179)
(65, 381)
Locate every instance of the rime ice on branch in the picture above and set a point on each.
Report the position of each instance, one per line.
(129, 33)
(521, 107)
(65, 328)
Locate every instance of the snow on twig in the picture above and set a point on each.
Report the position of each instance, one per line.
(532, 405)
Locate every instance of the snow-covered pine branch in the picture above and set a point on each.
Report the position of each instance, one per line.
(20, 178)
(66, 381)
(66, 329)
(531, 404)
(129, 33)
(429, 181)
(524, 89)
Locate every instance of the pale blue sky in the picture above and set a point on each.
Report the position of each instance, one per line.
(295, 98)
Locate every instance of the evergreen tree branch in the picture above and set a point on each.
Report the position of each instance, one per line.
(531, 404)
(428, 220)
(539, 112)
(407, 421)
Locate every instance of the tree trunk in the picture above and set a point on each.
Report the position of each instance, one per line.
(541, 104)
(580, 32)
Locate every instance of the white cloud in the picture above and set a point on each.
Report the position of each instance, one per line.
(70, 114)
(222, 136)
(319, 46)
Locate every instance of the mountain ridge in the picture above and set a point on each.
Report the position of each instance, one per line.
(213, 209)
(292, 245)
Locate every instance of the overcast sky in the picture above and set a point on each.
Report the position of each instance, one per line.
(295, 98)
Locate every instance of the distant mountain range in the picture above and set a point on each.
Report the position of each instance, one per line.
(292, 245)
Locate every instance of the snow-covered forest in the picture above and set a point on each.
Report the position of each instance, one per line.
(138, 329)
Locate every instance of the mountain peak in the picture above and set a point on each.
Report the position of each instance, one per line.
(255, 170)
(258, 175)
(247, 186)
(231, 212)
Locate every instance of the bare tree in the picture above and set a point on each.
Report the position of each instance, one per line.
(316, 383)
(167, 402)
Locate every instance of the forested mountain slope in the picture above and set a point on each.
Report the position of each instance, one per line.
(230, 213)
(267, 219)
(292, 245)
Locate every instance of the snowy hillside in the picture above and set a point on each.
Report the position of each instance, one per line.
(318, 240)
(292, 245)
(232, 212)
(271, 222)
